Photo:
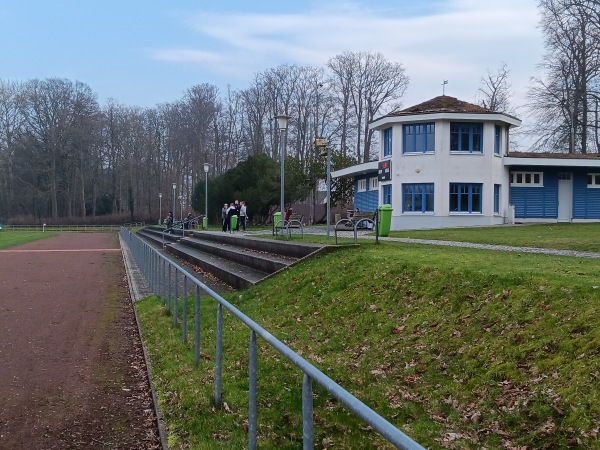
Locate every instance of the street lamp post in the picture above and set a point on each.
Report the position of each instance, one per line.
(282, 123)
(321, 144)
(173, 207)
(160, 208)
(205, 220)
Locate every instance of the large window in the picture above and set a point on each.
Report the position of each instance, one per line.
(419, 138)
(465, 197)
(466, 137)
(417, 197)
(497, 139)
(387, 142)
(529, 179)
(496, 199)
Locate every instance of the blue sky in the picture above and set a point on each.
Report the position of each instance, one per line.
(142, 53)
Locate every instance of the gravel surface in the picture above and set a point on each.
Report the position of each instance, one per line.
(73, 373)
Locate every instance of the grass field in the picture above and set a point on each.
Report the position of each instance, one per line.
(12, 238)
(459, 348)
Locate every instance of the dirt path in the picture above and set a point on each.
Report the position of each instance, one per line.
(72, 372)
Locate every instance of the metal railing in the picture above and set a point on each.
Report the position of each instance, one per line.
(163, 277)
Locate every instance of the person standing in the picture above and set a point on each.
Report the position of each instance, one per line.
(231, 211)
(243, 214)
(224, 217)
(237, 213)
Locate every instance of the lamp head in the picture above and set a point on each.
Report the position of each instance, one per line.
(282, 121)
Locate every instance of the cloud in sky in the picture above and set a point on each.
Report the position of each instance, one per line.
(458, 40)
(142, 53)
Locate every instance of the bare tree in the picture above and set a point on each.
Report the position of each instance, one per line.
(567, 97)
(367, 83)
(494, 92)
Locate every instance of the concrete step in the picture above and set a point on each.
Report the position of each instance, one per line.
(238, 260)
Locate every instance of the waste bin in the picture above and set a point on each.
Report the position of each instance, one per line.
(205, 223)
(277, 220)
(384, 220)
(234, 220)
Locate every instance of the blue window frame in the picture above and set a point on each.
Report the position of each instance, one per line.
(497, 139)
(417, 197)
(466, 137)
(465, 197)
(387, 194)
(419, 138)
(496, 199)
(387, 142)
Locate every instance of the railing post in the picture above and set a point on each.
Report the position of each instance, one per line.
(197, 326)
(219, 356)
(308, 431)
(184, 310)
(176, 298)
(170, 282)
(252, 386)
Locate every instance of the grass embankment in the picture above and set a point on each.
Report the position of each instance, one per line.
(459, 348)
(12, 238)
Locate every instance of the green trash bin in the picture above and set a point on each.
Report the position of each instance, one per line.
(384, 220)
(234, 219)
(205, 223)
(276, 221)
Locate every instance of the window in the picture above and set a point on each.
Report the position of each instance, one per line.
(530, 179)
(497, 139)
(387, 195)
(496, 199)
(465, 197)
(387, 142)
(593, 180)
(419, 138)
(466, 137)
(373, 183)
(362, 185)
(417, 197)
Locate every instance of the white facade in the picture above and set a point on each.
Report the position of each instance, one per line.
(468, 186)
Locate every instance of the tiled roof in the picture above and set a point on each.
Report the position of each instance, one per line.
(553, 155)
(443, 103)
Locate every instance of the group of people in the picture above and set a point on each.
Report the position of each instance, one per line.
(188, 223)
(237, 208)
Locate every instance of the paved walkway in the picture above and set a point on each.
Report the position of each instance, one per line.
(367, 234)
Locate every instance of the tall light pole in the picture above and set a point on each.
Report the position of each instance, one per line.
(173, 207)
(160, 208)
(282, 123)
(205, 220)
(321, 144)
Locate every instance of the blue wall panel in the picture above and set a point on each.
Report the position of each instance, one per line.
(536, 202)
(367, 200)
(586, 201)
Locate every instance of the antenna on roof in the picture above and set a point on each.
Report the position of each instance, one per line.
(444, 83)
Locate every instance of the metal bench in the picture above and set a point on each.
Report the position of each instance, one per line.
(359, 220)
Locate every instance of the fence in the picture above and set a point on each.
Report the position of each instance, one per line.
(163, 277)
(80, 228)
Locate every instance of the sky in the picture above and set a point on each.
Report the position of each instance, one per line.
(147, 52)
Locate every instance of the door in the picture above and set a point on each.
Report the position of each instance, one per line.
(565, 197)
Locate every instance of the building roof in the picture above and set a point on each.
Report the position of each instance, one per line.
(547, 159)
(447, 107)
(360, 169)
(553, 155)
(442, 103)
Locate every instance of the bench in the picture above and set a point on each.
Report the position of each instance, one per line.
(358, 219)
(294, 221)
